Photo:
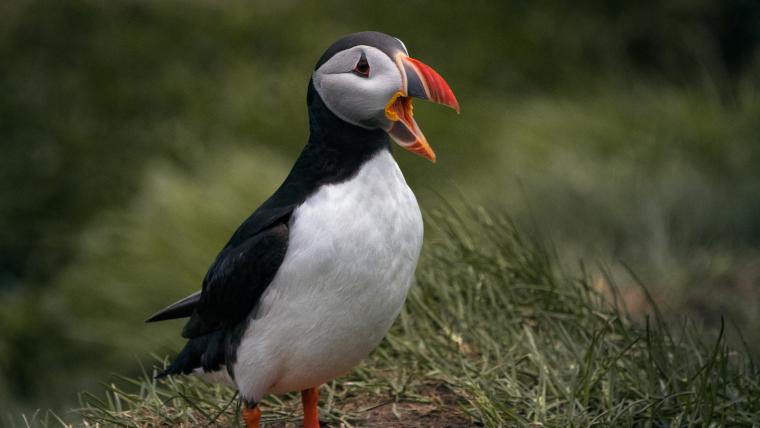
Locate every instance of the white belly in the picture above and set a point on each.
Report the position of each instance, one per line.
(351, 256)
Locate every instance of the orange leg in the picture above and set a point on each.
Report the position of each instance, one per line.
(251, 415)
(309, 398)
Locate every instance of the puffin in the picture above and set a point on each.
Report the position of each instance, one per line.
(312, 281)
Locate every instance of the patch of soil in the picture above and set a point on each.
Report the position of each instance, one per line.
(441, 410)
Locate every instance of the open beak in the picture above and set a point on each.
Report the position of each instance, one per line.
(418, 81)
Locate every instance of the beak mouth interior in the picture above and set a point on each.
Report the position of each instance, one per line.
(400, 108)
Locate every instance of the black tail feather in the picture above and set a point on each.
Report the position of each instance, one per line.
(206, 352)
(180, 309)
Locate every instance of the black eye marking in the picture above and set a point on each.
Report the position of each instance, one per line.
(362, 67)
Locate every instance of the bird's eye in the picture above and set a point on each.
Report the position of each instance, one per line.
(362, 67)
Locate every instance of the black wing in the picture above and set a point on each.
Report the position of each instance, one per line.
(236, 280)
(239, 275)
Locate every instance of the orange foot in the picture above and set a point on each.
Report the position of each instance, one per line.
(252, 416)
(309, 398)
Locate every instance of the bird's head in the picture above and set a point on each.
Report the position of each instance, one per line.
(368, 79)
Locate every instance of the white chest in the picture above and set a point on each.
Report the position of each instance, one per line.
(352, 251)
(361, 228)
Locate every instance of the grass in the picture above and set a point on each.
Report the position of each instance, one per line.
(494, 333)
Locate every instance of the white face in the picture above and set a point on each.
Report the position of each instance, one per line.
(357, 97)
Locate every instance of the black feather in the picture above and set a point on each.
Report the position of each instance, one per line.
(205, 352)
(236, 280)
(180, 309)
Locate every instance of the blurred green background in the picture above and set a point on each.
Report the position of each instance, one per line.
(137, 135)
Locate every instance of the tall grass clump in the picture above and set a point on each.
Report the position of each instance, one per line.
(496, 333)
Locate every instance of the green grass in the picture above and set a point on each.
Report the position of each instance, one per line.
(494, 333)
